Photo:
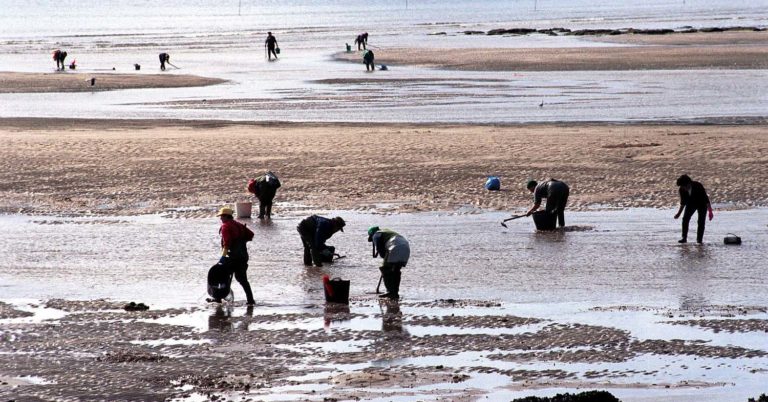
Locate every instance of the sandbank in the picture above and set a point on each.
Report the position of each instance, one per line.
(723, 50)
(66, 81)
(117, 167)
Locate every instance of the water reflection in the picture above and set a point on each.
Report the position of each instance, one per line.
(221, 319)
(392, 319)
(335, 313)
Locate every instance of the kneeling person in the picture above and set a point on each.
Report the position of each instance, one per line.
(395, 250)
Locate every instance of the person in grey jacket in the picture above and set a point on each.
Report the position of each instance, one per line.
(555, 191)
(395, 250)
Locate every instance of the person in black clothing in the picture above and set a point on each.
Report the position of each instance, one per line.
(368, 60)
(361, 41)
(264, 188)
(164, 58)
(315, 231)
(693, 198)
(555, 191)
(59, 56)
(271, 44)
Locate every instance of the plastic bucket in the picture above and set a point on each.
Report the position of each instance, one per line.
(337, 291)
(544, 220)
(349, 48)
(493, 183)
(243, 209)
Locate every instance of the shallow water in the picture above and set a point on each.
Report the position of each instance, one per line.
(618, 257)
(221, 44)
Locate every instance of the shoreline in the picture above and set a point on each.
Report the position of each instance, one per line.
(150, 166)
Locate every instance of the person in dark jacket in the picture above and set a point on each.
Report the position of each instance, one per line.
(271, 44)
(315, 231)
(368, 60)
(264, 188)
(234, 251)
(361, 41)
(164, 58)
(59, 56)
(693, 198)
(395, 250)
(555, 191)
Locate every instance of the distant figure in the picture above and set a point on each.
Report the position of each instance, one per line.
(693, 198)
(234, 251)
(164, 58)
(59, 56)
(368, 60)
(270, 44)
(555, 191)
(315, 231)
(361, 41)
(264, 188)
(395, 251)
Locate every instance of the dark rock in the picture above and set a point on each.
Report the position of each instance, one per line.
(474, 32)
(135, 307)
(511, 31)
(588, 396)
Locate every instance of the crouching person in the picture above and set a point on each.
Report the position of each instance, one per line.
(395, 251)
(315, 231)
(234, 251)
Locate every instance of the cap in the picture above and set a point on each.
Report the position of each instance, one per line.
(226, 211)
(340, 222)
(372, 230)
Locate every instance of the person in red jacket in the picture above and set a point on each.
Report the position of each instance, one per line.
(234, 252)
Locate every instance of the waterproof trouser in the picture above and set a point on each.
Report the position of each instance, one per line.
(240, 270)
(391, 276)
(702, 221)
(557, 200)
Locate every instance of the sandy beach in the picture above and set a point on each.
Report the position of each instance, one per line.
(118, 167)
(64, 81)
(723, 50)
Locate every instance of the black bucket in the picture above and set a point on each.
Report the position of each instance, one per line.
(544, 220)
(337, 291)
(732, 239)
(219, 281)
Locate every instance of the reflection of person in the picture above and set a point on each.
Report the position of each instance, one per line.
(395, 251)
(693, 198)
(555, 191)
(271, 44)
(368, 60)
(164, 58)
(220, 320)
(59, 56)
(234, 251)
(315, 231)
(392, 319)
(264, 188)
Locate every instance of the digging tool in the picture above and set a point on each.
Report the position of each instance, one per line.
(379, 285)
(169, 63)
(510, 219)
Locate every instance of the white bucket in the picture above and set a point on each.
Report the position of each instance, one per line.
(243, 209)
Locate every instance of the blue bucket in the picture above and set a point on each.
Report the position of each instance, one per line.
(493, 183)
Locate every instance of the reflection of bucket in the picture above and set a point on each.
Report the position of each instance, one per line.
(243, 209)
(336, 291)
(544, 220)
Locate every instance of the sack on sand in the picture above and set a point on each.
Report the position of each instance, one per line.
(326, 254)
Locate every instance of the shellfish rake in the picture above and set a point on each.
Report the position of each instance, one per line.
(510, 219)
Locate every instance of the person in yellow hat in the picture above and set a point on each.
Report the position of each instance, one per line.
(234, 251)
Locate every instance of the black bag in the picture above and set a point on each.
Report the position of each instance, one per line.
(326, 254)
(219, 281)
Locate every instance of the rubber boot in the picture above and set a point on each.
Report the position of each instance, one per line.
(307, 256)
(261, 210)
(394, 286)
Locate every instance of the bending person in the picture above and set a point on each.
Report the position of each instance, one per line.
(395, 250)
(315, 231)
(555, 191)
(693, 198)
(234, 251)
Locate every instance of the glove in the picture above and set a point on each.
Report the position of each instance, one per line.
(223, 260)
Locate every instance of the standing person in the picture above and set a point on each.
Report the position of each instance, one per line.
(555, 191)
(234, 251)
(315, 231)
(368, 60)
(264, 188)
(395, 251)
(59, 56)
(164, 58)
(360, 41)
(693, 198)
(270, 44)
(365, 39)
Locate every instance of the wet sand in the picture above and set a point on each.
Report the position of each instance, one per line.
(66, 81)
(125, 167)
(724, 50)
